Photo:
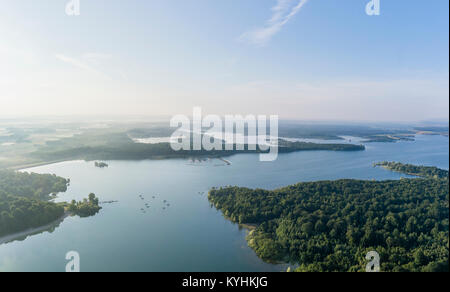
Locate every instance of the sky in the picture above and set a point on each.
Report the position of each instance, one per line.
(299, 59)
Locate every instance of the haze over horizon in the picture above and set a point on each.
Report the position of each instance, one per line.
(302, 60)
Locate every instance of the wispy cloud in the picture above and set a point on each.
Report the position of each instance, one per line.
(87, 62)
(96, 57)
(75, 62)
(283, 11)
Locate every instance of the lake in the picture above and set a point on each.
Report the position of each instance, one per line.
(188, 235)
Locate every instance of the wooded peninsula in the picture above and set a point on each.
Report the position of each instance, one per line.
(24, 201)
(332, 225)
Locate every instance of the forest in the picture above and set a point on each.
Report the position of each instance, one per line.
(23, 200)
(422, 171)
(31, 185)
(331, 225)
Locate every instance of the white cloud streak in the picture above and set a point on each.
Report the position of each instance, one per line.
(75, 62)
(86, 63)
(283, 12)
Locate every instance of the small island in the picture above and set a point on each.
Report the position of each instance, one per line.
(100, 164)
(86, 208)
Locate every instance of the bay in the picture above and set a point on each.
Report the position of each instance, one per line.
(189, 235)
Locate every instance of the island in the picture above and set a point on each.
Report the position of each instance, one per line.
(100, 164)
(332, 225)
(86, 208)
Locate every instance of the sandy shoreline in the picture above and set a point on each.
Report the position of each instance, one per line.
(32, 231)
(248, 226)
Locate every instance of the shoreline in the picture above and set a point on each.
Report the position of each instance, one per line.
(248, 226)
(33, 231)
(227, 162)
(37, 164)
(220, 156)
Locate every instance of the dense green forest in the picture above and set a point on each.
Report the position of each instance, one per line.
(18, 214)
(23, 202)
(422, 171)
(31, 185)
(331, 225)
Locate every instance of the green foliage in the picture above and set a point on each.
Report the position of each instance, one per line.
(86, 208)
(331, 225)
(422, 171)
(31, 185)
(22, 200)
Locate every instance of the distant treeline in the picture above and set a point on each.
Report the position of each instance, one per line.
(286, 147)
(422, 171)
(437, 129)
(334, 132)
(19, 214)
(332, 225)
(23, 202)
(138, 151)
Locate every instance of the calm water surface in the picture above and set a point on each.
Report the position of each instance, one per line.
(188, 235)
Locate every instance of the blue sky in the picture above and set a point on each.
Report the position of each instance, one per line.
(314, 60)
